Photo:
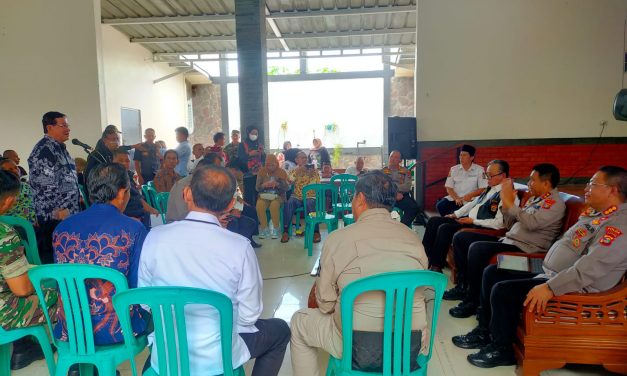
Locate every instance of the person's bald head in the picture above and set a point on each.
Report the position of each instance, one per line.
(394, 159)
(12, 155)
(211, 189)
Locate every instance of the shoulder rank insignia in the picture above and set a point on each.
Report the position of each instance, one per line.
(611, 234)
(546, 195)
(610, 210)
(588, 212)
(548, 203)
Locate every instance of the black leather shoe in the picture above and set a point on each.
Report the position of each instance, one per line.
(25, 357)
(493, 355)
(254, 244)
(456, 293)
(463, 310)
(475, 339)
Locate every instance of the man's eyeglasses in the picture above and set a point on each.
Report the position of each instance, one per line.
(488, 176)
(591, 184)
(67, 126)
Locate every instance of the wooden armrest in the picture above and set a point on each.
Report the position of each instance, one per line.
(575, 311)
(486, 231)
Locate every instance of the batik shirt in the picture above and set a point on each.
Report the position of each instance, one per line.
(23, 207)
(16, 311)
(102, 236)
(53, 179)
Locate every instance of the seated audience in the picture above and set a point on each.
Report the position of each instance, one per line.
(589, 258)
(102, 235)
(137, 208)
(166, 176)
(81, 164)
(327, 171)
(19, 305)
(402, 178)
(198, 152)
(374, 244)
(301, 176)
(12, 155)
(482, 211)
(23, 207)
(218, 146)
(358, 168)
(242, 219)
(271, 185)
(198, 252)
(465, 181)
(290, 155)
(533, 229)
(318, 154)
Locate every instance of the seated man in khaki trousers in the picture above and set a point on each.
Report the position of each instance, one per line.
(374, 244)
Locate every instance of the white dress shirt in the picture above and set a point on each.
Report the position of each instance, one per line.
(465, 181)
(205, 255)
(471, 210)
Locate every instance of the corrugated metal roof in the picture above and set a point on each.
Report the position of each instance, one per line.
(207, 26)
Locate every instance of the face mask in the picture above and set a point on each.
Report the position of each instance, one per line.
(253, 137)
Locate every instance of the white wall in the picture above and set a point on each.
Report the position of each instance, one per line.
(48, 61)
(494, 69)
(128, 77)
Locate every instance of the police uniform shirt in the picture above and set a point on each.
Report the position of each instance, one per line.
(535, 227)
(591, 256)
(401, 177)
(484, 209)
(465, 181)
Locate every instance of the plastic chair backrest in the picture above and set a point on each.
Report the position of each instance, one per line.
(161, 204)
(344, 178)
(81, 189)
(347, 192)
(399, 288)
(30, 243)
(70, 280)
(321, 197)
(167, 305)
(150, 194)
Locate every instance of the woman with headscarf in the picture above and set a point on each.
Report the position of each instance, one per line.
(290, 154)
(319, 155)
(251, 155)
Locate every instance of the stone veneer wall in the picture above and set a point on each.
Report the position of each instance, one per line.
(402, 96)
(206, 107)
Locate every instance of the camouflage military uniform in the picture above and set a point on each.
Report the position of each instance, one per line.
(15, 311)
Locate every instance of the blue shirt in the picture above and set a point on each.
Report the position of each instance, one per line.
(185, 153)
(102, 236)
(53, 179)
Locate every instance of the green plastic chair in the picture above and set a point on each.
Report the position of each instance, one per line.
(161, 203)
(399, 290)
(346, 194)
(30, 243)
(80, 348)
(167, 305)
(320, 214)
(81, 189)
(150, 194)
(9, 336)
(344, 178)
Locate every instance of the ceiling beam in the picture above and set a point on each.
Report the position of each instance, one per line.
(181, 71)
(168, 19)
(231, 38)
(269, 15)
(275, 29)
(343, 11)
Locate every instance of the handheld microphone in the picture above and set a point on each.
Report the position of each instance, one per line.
(75, 141)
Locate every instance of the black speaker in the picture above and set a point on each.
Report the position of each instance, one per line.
(620, 105)
(402, 136)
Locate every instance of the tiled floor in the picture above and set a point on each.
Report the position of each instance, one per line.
(283, 296)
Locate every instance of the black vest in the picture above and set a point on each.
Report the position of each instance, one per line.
(488, 209)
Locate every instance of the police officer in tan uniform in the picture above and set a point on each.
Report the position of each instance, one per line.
(589, 258)
(374, 244)
(532, 229)
(402, 178)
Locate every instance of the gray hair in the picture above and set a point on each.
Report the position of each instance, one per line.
(378, 189)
